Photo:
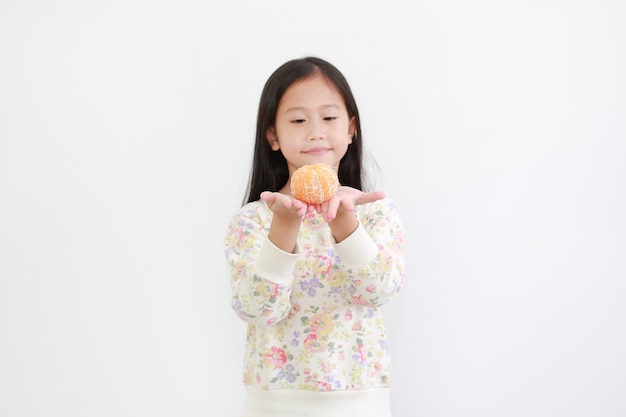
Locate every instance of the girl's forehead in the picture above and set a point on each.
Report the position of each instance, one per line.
(315, 89)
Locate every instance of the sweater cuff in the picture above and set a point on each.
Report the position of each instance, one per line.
(276, 265)
(358, 249)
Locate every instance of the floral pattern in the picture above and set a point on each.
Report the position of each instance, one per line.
(324, 331)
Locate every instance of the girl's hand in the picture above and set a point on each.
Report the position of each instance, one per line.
(288, 214)
(283, 205)
(346, 199)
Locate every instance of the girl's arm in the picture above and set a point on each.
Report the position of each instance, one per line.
(373, 255)
(261, 252)
(286, 219)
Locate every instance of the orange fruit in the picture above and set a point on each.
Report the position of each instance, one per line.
(314, 184)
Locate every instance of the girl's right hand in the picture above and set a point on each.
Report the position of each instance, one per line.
(283, 205)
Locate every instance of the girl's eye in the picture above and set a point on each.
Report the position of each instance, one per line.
(329, 118)
(297, 121)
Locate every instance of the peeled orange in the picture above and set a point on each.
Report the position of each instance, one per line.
(314, 184)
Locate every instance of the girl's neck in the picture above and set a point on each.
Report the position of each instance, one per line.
(286, 189)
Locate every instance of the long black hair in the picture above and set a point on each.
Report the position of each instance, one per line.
(269, 168)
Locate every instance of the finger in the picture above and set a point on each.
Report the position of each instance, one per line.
(267, 196)
(287, 203)
(348, 205)
(370, 197)
(295, 203)
(301, 211)
(331, 208)
(301, 207)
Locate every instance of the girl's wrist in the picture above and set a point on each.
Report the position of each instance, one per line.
(343, 225)
(284, 232)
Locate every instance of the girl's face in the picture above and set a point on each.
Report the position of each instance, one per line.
(312, 124)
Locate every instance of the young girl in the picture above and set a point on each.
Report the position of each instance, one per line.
(310, 281)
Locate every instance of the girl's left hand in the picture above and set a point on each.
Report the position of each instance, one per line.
(346, 199)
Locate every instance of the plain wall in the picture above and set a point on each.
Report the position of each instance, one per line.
(126, 132)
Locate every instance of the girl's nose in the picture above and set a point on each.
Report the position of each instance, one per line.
(316, 131)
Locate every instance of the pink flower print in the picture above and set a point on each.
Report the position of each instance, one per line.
(358, 300)
(322, 266)
(273, 290)
(362, 352)
(370, 288)
(313, 345)
(324, 386)
(348, 315)
(267, 289)
(239, 267)
(295, 308)
(330, 383)
(275, 357)
(335, 279)
(360, 356)
(322, 325)
(312, 221)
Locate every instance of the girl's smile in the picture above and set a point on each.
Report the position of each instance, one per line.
(316, 151)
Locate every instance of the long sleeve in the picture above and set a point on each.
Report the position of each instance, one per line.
(261, 273)
(373, 256)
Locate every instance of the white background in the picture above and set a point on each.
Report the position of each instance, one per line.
(126, 132)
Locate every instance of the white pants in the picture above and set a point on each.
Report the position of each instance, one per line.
(301, 403)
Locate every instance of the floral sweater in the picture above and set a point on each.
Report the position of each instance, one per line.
(314, 317)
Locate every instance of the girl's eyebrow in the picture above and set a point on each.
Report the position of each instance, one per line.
(303, 108)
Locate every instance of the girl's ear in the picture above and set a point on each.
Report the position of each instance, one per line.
(270, 135)
(351, 129)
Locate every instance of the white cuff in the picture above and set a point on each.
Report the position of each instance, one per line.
(276, 265)
(358, 249)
